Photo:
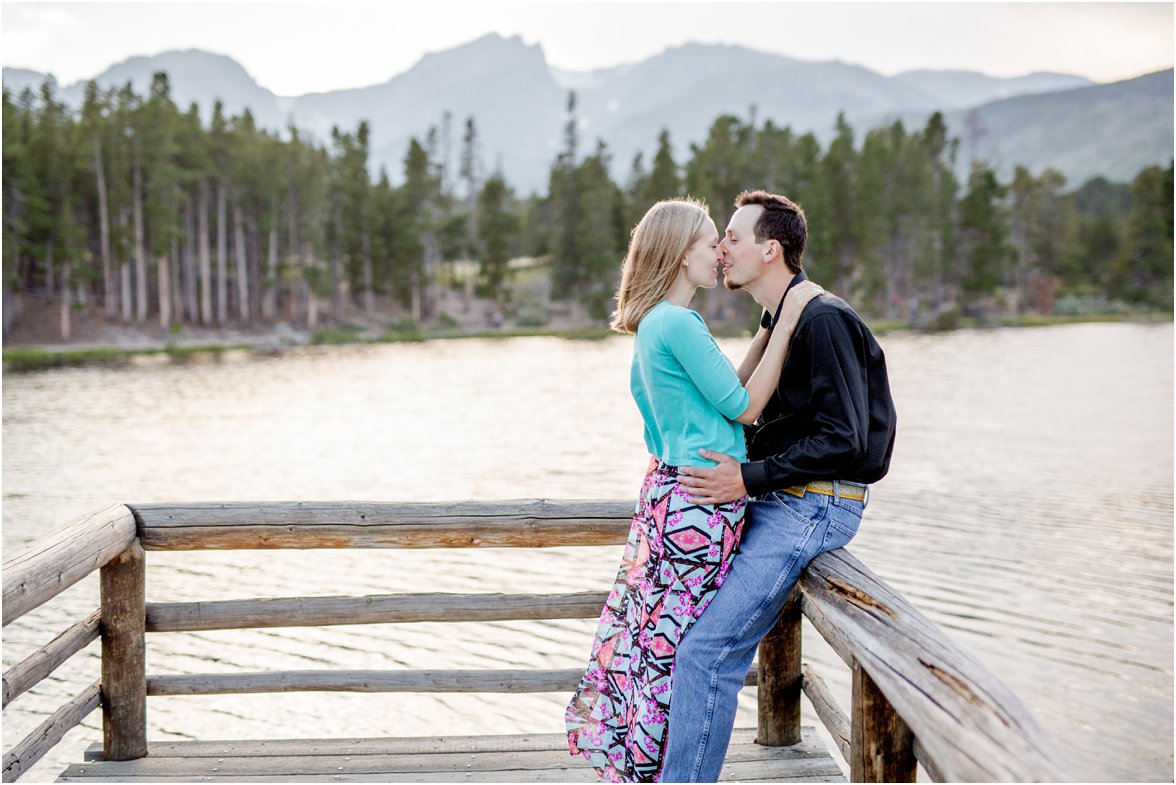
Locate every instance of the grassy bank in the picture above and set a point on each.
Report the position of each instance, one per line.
(32, 358)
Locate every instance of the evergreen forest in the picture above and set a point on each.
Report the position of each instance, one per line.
(134, 210)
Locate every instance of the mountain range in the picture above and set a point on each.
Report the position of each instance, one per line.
(519, 103)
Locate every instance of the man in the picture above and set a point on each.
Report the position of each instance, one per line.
(827, 432)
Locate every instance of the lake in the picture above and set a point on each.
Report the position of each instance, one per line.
(1028, 512)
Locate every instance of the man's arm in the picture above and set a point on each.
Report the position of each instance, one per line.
(841, 420)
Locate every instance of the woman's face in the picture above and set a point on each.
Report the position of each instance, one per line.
(703, 257)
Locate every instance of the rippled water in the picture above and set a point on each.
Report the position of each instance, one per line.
(1028, 511)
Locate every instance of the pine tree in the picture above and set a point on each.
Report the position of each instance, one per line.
(498, 229)
(470, 172)
(564, 200)
(718, 170)
(387, 235)
(836, 236)
(984, 233)
(159, 187)
(1100, 210)
(1143, 271)
(417, 211)
(664, 181)
(599, 232)
(942, 189)
(121, 147)
(94, 122)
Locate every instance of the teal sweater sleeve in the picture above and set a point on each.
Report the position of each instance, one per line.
(686, 336)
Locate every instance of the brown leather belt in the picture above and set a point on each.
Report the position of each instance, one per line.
(855, 491)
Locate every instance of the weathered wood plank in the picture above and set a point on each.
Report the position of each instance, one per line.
(374, 609)
(420, 762)
(804, 770)
(53, 564)
(880, 742)
(399, 745)
(395, 745)
(807, 761)
(829, 713)
(943, 694)
(124, 655)
(526, 523)
(760, 771)
(373, 681)
(28, 672)
(543, 775)
(33, 747)
(778, 710)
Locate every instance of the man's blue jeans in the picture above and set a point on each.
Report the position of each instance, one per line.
(782, 535)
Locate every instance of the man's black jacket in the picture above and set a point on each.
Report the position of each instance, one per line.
(831, 416)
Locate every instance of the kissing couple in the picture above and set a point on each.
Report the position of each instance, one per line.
(754, 471)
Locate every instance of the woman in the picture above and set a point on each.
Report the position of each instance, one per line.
(678, 552)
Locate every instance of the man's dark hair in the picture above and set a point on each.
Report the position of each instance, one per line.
(782, 220)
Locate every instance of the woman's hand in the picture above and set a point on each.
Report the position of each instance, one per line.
(800, 296)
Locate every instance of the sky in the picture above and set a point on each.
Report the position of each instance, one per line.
(297, 48)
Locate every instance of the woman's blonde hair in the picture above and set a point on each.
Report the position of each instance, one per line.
(656, 248)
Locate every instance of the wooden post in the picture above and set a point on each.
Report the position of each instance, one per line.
(780, 679)
(124, 675)
(881, 744)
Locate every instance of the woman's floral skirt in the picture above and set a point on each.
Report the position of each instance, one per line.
(677, 556)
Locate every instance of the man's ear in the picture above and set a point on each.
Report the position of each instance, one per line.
(772, 249)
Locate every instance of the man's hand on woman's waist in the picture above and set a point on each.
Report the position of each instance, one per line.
(716, 485)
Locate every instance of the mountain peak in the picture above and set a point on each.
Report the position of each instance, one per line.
(178, 61)
(491, 45)
(491, 52)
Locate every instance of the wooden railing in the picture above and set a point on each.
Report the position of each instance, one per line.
(104, 541)
(916, 695)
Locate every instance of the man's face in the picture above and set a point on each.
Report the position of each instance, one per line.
(743, 257)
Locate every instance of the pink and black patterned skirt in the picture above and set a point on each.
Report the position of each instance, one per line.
(677, 556)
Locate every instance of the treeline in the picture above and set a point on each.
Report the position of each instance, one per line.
(143, 212)
(142, 208)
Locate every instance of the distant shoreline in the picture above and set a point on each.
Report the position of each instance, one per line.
(30, 357)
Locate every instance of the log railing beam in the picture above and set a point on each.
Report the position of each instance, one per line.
(374, 681)
(50, 566)
(33, 747)
(828, 712)
(942, 693)
(519, 524)
(375, 609)
(29, 671)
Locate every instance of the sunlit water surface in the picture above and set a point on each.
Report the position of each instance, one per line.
(1028, 512)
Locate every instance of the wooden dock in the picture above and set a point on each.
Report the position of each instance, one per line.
(919, 703)
(519, 758)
